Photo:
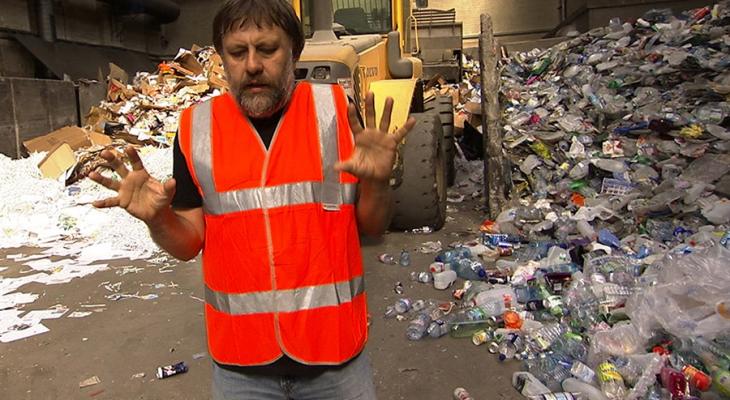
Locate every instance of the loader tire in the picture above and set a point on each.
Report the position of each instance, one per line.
(445, 108)
(420, 200)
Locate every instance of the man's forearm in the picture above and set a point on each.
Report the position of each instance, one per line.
(374, 207)
(176, 234)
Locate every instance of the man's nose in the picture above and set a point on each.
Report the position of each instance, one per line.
(253, 63)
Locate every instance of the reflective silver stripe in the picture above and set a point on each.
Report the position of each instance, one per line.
(305, 298)
(324, 103)
(202, 150)
(273, 196)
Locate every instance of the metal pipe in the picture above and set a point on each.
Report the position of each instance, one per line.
(322, 19)
(46, 21)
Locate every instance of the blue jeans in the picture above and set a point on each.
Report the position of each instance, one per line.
(354, 381)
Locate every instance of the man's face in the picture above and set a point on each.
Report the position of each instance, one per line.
(259, 67)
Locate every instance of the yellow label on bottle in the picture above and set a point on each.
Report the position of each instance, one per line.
(607, 372)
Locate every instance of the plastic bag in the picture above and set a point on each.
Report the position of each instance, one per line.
(686, 296)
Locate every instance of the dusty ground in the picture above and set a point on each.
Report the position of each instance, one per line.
(134, 336)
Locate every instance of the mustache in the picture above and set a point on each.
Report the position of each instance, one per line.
(255, 82)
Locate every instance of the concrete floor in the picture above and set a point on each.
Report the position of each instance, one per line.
(135, 336)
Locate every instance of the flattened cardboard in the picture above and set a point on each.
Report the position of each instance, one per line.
(75, 137)
(57, 162)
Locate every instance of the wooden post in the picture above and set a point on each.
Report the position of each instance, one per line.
(491, 114)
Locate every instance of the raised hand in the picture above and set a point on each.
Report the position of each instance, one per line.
(143, 196)
(375, 149)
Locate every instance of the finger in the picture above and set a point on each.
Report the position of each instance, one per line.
(370, 110)
(114, 161)
(106, 203)
(387, 112)
(169, 187)
(134, 158)
(355, 126)
(403, 131)
(108, 183)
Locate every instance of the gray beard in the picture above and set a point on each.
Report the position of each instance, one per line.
(262, 105)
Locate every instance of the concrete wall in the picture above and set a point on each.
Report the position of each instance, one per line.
(31, 108)
(511, 17)
(194, 26)
(89, 22)
(594, 13)
(15, 60)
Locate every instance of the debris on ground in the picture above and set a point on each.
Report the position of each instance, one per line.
(607, 276)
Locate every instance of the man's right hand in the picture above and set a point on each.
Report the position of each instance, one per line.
(143, 196)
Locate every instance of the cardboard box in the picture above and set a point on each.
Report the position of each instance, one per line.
(75, 137)
(58, 162)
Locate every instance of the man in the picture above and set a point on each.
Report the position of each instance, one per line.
(270, 185)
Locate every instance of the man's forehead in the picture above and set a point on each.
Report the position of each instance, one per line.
(249, 30)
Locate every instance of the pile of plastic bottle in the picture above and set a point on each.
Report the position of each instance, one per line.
(629, 117)
(608, 277)
(615, 324)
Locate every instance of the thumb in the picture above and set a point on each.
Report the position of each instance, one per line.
(169, 187)
(345, 166)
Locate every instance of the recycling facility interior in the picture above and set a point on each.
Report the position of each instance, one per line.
(644, 98)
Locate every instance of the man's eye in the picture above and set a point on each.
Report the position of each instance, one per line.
(268, 50)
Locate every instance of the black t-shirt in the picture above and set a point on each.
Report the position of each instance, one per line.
(187, 196)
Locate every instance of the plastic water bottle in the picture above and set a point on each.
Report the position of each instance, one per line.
(582, 372)
(549, 369)
(495, 301)
(437, 328)
(648, 379)
(423, 276)
(469, 270)
(527, 384)
(418, 326)
(451, 255)
(544, 337)
(403, 305)
(612, 384)
(405, 258)
(589, 392)
(509, 347)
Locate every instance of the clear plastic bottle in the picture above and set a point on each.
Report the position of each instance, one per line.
(509, 347)
(544, 337)
(416, 329)
(550, 369)
(583, 372)
(588, 391)
(495, 301)
(612, 384)
(527, 384)
(405, 258)
(451, 255)
(402, 306)
(469, 270)
(647, 379)
(423, 276)
(437, 328)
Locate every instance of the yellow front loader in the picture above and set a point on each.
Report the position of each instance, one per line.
(358, 44)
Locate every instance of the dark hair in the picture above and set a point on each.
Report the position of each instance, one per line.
(234, 14)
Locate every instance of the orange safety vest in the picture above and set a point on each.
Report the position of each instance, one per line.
(281, 260)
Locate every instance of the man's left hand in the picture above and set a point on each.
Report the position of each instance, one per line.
(374, 154)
